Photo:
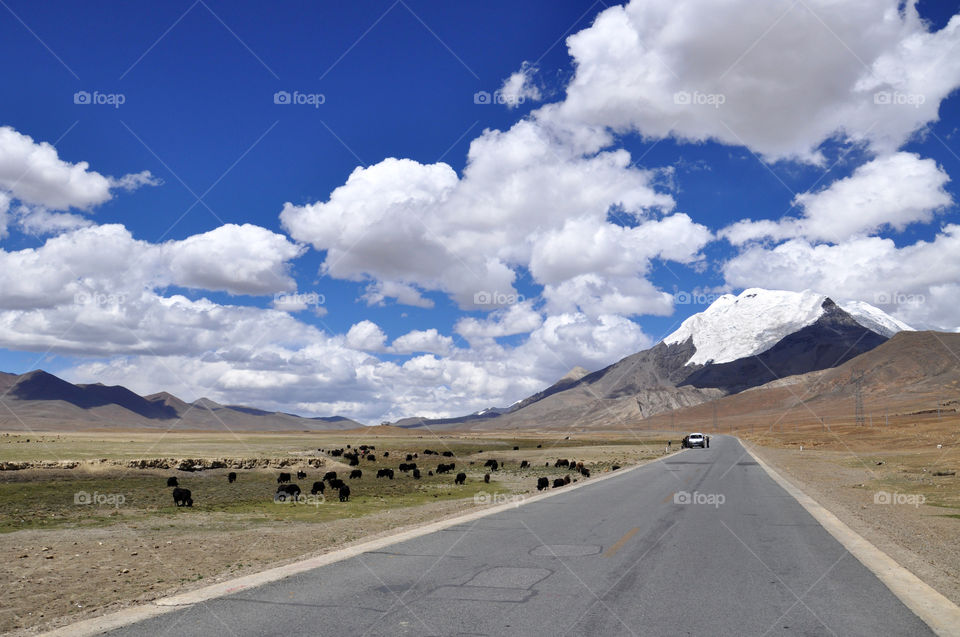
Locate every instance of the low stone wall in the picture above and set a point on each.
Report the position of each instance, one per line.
(180, 464)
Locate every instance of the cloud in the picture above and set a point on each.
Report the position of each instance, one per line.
(520, 87)
(520, 318)
(4, 214)
(778, 78)
(366, 336)
(429, 340)
(243, 259)
(408, 227)
(33, 173)
(916, 283)
(889, 192)
(378, 292)
(107, 261)
(135, 180)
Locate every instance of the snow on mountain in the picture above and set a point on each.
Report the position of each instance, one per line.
(752, 322)
(874, 319)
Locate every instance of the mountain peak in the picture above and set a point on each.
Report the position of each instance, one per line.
(574, 374)
(734, 327)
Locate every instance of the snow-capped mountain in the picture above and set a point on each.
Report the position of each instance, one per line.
(735, 327)
(875, 319)
(738, 342)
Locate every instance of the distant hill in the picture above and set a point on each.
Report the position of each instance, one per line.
(40, 400)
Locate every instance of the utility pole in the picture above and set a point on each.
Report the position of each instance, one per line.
(856, 377)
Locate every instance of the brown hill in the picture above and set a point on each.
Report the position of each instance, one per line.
(38, 400)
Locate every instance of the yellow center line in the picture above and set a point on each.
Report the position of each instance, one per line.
(619, 543)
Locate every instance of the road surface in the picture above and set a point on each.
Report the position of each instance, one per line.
(632, 555)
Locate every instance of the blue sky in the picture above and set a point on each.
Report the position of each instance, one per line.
(620, 174)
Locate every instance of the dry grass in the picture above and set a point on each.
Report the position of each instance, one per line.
(69, 561)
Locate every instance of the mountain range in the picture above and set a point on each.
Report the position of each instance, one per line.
(41, 401)
(737, 343)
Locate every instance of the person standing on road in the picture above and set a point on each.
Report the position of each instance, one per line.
(707, 439)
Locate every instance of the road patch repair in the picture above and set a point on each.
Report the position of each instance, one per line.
(938, 612)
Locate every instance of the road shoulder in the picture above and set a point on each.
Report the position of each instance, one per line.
(938, 612)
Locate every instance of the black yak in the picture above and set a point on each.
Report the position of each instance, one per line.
(182, 497)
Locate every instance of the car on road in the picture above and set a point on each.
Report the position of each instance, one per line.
(695, 440)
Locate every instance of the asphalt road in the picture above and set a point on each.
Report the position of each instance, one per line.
(620, 557)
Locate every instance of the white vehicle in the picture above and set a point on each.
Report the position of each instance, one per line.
(695, 440)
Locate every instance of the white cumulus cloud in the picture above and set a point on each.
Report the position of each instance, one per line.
(777, 77)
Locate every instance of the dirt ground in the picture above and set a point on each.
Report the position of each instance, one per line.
(891, 496)
(65, 562)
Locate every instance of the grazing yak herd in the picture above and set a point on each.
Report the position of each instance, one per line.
(287, 490)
